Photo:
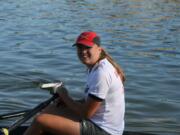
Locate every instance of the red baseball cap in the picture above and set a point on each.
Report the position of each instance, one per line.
(88, 38)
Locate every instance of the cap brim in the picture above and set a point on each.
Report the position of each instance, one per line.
(84, 43)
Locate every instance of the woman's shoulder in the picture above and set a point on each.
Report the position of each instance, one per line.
(104, 68)
(105, 65)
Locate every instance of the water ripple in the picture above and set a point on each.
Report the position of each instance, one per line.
(141, 35)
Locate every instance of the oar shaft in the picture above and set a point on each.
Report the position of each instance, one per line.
(13, 114)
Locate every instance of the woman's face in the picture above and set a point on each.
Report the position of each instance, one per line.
(89, 55)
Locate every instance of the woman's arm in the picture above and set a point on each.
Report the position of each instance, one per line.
(84, 109)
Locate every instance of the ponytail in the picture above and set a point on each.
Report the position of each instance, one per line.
(119, 70)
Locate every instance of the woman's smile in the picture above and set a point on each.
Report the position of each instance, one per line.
(85, 58)
(88, 55)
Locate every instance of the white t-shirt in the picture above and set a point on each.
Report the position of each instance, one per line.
(103, 82)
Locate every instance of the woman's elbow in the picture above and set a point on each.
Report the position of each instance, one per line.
(87, 115)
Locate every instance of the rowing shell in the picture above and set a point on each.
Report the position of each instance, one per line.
(20, 130)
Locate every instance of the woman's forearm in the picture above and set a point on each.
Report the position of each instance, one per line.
(77, 107)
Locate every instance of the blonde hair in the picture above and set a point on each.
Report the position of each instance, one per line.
(119, 70)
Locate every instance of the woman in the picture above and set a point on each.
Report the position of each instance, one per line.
(103, 108)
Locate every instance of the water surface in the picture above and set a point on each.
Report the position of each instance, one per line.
(142, 36)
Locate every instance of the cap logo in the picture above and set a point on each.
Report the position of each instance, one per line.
(84, 37)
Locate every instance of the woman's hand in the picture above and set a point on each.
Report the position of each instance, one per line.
(62, 92)
(59, 102)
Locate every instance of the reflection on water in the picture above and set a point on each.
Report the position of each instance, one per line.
(143, 36)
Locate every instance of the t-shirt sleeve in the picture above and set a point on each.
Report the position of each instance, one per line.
(99, 85)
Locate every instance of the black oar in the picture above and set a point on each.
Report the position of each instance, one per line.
(14, 114)
(21, 113)
(28, 115)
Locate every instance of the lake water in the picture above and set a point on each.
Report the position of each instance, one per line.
(143, 36)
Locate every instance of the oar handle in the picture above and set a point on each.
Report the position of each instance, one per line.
(52, 87)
